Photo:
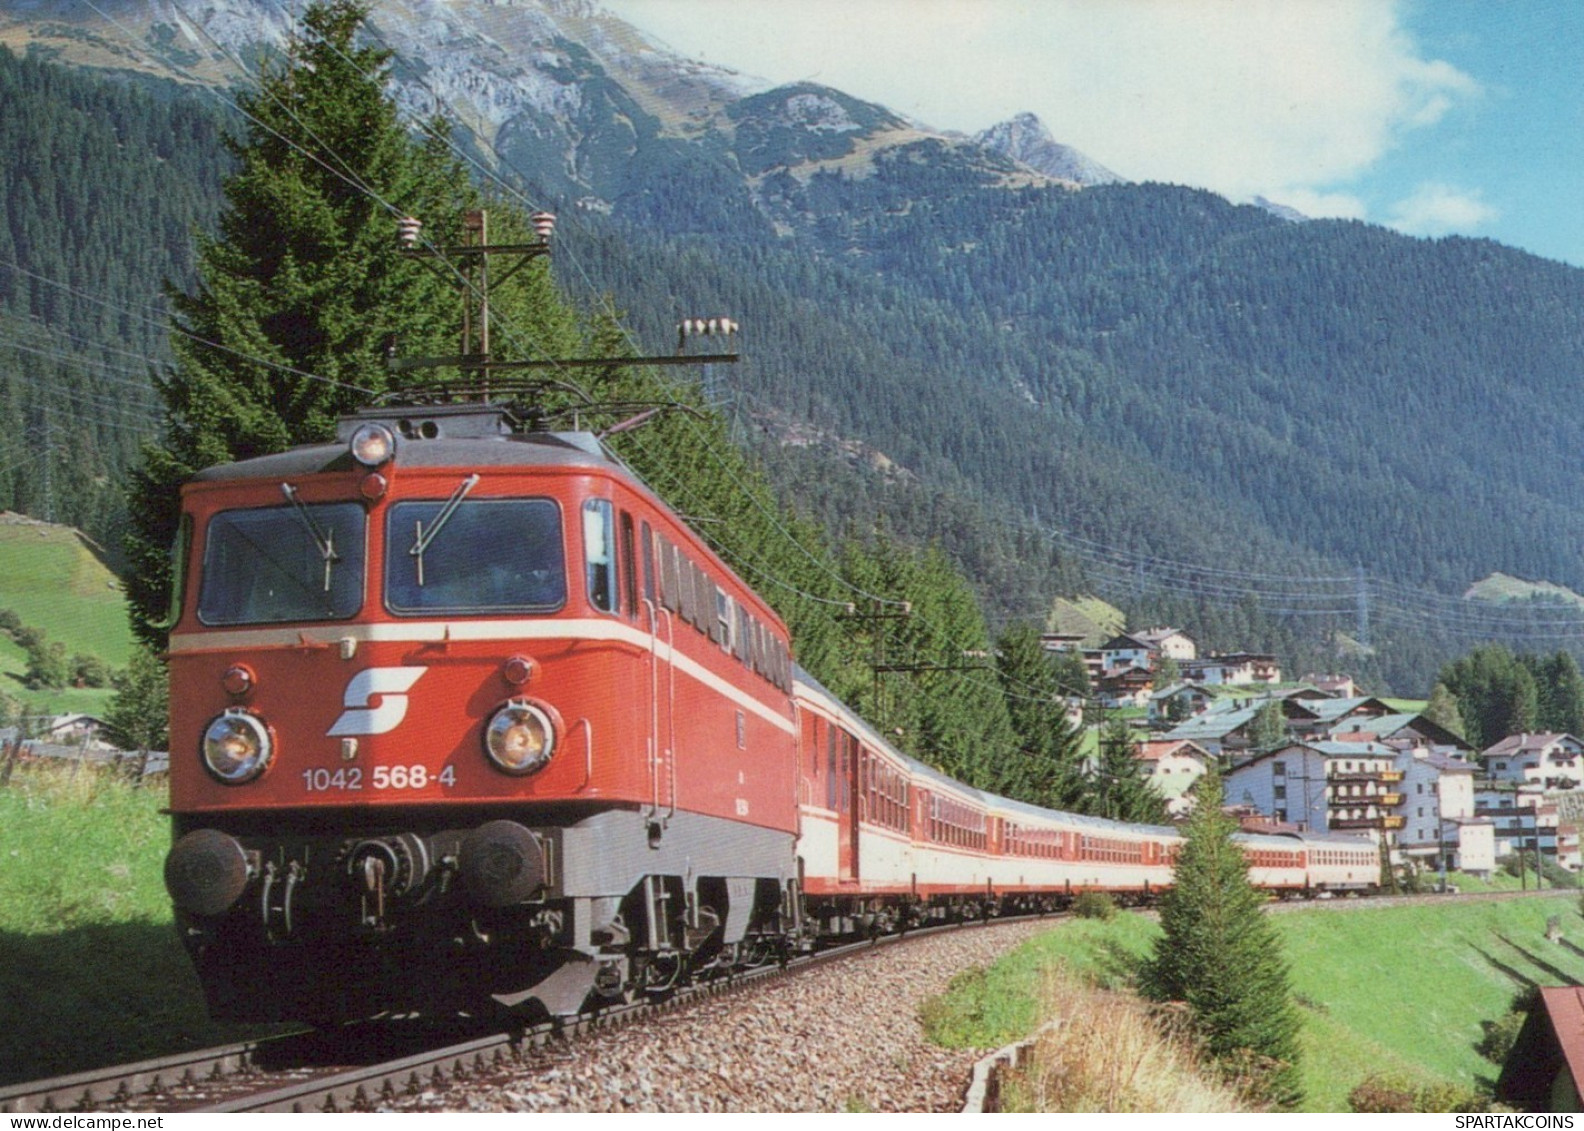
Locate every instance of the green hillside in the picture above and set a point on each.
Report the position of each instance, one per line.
(1401, 990)
(1499, 587)
(55, 581)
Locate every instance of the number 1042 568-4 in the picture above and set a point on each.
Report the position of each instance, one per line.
(350, 778)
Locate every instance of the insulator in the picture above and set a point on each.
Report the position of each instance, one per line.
(407, 229)
(708, 327)
(543, 224)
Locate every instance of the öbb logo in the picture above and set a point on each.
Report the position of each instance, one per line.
(362, 714)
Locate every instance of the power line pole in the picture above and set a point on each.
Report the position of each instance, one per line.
(470, 262)
(49, 488)
(1362, 599)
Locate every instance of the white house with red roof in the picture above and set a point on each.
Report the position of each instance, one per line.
(1172, 768)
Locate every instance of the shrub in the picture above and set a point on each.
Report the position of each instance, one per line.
(1500, 1036)
(90, 671)
(1094, 905)
(1382, 1094)
(47, 666)
(1393, 1094)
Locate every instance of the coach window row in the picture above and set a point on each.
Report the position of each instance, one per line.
(672, 580)
(952, 822)
(885, 793)
(1110, 850)
(1042, 843)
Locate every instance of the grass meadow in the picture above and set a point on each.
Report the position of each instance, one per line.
(54, 582)
(92, 972)
(1397, 990)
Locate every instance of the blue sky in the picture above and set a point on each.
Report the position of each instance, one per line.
(1430, 116)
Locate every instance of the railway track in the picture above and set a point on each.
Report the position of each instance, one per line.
(321, 1071)
(361, 1067)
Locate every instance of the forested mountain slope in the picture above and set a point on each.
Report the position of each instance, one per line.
(104, 191)
(1067, 388)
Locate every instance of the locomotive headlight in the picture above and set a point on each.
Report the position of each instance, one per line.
(237, 747)
(521, 737)
(373, 444)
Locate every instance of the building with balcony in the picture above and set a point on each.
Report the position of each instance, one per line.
(1325, 786)
(1440, 828)
(1232, 667)
(1552, 761)
(1527, 822)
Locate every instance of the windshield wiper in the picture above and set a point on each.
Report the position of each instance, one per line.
(325, 542)
(422, 537)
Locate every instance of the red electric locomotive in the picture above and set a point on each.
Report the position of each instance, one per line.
(459, 713)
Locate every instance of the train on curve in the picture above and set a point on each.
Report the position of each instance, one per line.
(463, 716)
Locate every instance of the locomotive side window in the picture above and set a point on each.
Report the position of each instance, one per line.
(724, 618)
(629, 566)
(740, 635)
(648, 564)
(489, 555)
(684, 579)
(268, 565)
(703, 599)
(670, 577)
(599, 555)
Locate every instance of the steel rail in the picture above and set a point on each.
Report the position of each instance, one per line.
(179, 1082)
(119, 1084)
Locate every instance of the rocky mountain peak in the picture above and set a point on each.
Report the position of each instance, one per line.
(1025, 139)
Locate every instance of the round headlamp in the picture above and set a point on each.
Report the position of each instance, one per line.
(373, 444)
(237, 747)
(520, 737)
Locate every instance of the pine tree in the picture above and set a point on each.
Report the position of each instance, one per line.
(1442, 709)
(1268, 730)
(1496, 694)
(1049, 754)
(304, 290)
(137, 717)
(1118, 789)
(1218, 953)
(1560, 688)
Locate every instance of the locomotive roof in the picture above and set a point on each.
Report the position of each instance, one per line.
(531, 449)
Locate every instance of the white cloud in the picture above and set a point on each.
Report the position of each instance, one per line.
(1437, 209)
(1320, 205)
(1240, 96)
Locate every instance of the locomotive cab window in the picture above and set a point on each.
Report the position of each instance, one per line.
(270, 565)
(484, 555)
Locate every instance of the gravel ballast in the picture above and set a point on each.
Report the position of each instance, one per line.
(845, 1037)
